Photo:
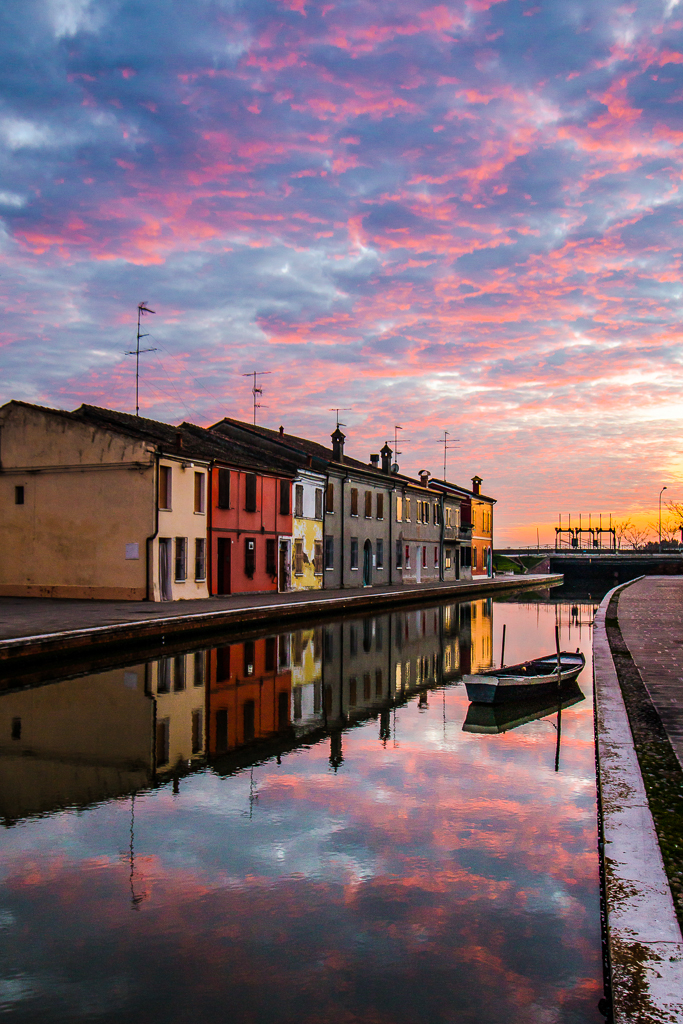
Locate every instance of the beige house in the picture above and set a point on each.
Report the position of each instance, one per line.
(98, 504)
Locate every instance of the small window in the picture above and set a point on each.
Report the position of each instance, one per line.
(368, 504)
(380, 554)
(399, 555)
(180, 559)
(299, 500)
(19, 495)
(399, 508)
(425, 511)
(354, 552)
(380, 506)
(354, 501)
(271, 566)
(285, 497)
(199, 668)
(407, 505)
(250, 492)
(165, 487)
(448, 559)
(318, 503)
(224, 488)
(298, 558)
(199, 492)
(329, 499)
(317, 556)
(249, 557)
(200, 558)
(329, 552)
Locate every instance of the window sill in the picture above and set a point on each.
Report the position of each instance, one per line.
(199, 513)
(180, 581)
(354, 568)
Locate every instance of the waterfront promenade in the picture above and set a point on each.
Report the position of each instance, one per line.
(638, 666)
(37, 627)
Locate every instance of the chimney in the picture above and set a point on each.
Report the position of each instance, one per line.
(338, 445)
(178, 440)
(424, 476)
(386, 454)
(476, 485)
(374, 461)
(282, 431)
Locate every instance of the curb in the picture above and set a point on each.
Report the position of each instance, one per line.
(20, 649)
(643, 935)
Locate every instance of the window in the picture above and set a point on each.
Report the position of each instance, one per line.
(271, 566)
(199, 668)
(199, 493)
(164, 487)
(407, 562)
(380, 506)
(197, 732)
(474, 558)
(285, 495)
(368, 504)
(329, 498)
(298, 558)
(407, 505)
(200, 558)
(425, 511)
(317, 556)
(354, 501)
(399, 508)
(179, 673)
(380, 554)
(19, 495)
(354, 552)
(221, 731)
(180, 559)
(249, 557)
(329, 552)
(353, 684)
(437, 514)
(424, 556)
(436, 558)
(271, 654)
(399, 555)
(250, 492)
(448, 516)
(448, 558)
(224, 488)
(318, 503)
(299, 500)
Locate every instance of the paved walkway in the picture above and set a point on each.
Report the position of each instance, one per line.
(34, 616)
(651, 623)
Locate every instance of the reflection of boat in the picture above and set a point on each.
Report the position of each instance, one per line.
(494, 718)
(516, 682)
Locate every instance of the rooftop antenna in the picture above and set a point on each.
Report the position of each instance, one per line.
(447, 447)
(337, 411)
(142, 308)
(396, 451)
(256, 390)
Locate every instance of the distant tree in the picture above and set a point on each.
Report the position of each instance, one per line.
(675, 510)
(671, 528)
(621, 527)
(636, 536)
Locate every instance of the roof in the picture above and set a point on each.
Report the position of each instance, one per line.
(463, 491)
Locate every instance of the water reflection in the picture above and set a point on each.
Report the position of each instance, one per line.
(310, 826)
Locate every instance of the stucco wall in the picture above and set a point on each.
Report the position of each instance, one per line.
(182, 521)
(308, 529)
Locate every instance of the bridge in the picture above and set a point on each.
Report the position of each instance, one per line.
(607, 568)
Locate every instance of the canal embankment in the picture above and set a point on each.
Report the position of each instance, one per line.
(39, 629)
(638, 672)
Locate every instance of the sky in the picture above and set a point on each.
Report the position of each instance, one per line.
(460, 217)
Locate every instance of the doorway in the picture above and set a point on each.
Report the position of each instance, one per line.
(457, 563)
(367, 564)
(224, 559)
(418, 564)
(283, 567)
(165, 553)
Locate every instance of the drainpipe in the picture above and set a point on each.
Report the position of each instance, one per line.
(391, 536)
(149, 552)
(442, 575)
(209, 537)
(343, 529)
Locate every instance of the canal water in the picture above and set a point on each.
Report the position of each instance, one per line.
(307, 827)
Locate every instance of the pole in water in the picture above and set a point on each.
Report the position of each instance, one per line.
(502, 651)
(559, 699)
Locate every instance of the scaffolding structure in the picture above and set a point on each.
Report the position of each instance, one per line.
(585, 538)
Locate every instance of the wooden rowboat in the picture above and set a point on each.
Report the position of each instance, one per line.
(517, 682)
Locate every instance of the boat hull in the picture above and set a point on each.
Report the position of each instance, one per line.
(491, 688)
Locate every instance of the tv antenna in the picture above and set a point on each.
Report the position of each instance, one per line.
(142, 308)
(256, 390)
(337, 411)
(448, 446)
(403, 440)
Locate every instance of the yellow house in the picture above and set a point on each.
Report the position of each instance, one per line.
(482, 531)
(307, 531)
(98, 504)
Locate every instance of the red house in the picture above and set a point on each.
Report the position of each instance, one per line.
(250, 518)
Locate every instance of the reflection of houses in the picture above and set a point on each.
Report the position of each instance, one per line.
(481, 632)
(306, 659)
(177, 683)
(248, 692)
(75, 742)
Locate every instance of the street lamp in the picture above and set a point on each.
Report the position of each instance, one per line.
(660, 518)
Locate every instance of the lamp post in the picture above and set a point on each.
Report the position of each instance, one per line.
(660, 518)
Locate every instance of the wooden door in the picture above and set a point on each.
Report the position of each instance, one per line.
(224, 565)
